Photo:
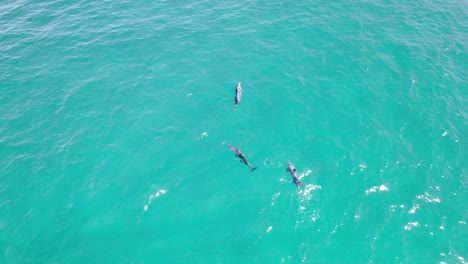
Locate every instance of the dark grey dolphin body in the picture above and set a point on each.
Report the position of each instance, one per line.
(293, 172)
(242, 157)
(238, 97)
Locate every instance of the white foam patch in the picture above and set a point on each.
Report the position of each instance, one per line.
(309, 188)
(445, 133)
(381, 188)
(414, 209)
(269, 229)
(304, 174)
(393, 207)
(411, 225)
(371, 190)
(152, 197)
(203, 135)
(428, 198)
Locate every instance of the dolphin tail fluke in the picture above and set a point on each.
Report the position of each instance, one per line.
(253, 169)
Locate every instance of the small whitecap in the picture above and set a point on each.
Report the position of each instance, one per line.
(372, 190)
(269, 229)
(445, 133)
(414, 209)
(203, 135)
(152, 197)
(335, 229)
(411, 225)
(441, 227)
(428, 198)
(383, 188)
(362, 166)
(189, 94)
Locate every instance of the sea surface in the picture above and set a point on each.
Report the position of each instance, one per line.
(116, 119)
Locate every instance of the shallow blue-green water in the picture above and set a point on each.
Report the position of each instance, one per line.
(116, 117)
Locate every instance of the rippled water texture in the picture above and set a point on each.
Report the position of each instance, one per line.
(116, 119)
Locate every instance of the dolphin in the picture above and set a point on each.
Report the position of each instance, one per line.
(237, 98)
(293, 172)
(241, 157)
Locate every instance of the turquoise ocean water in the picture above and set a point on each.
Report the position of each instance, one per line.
(116, 117)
